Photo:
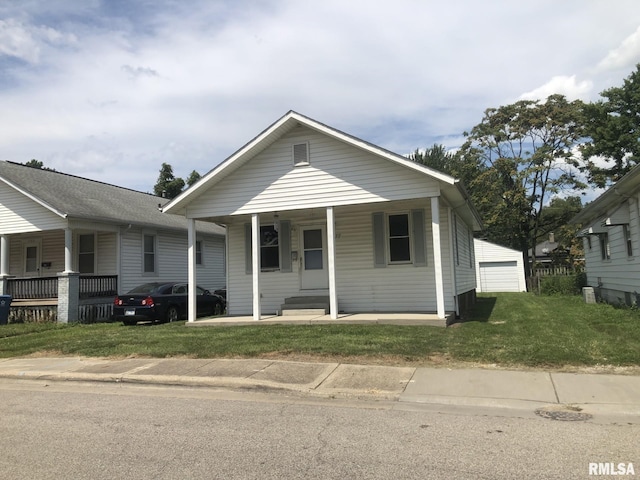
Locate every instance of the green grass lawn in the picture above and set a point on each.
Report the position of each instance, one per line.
(517, 329)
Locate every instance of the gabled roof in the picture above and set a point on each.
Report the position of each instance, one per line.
(451, 187)
(69, 196)
(606, 203)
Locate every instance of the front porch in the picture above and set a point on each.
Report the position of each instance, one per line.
(424, 319)
(82, 298)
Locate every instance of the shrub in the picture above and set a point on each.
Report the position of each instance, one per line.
(563, 284)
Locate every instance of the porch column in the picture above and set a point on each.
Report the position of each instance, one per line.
(437, 255)
(255, 263)
(4, 255)
(68, 297)
(191, 260)
(331, 254)
(68, 246)
(4, 264)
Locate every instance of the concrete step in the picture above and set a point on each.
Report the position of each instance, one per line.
(307, 299)
(303, 311)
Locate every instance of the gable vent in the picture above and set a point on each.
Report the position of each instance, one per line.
(301, 154)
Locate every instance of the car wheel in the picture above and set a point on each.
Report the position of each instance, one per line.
(217, 309)
(172, 315)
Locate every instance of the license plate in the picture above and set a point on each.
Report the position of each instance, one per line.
(130, 311)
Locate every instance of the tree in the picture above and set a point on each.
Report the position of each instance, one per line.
(528, 153)
(613, 126)
(168, 185)
(465, 168)
(193, 178)
(33, 163)
(555, 219)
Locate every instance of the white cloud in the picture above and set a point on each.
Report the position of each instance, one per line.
(626, 55)
(564, 85)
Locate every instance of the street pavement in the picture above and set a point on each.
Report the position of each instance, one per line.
(587, 393)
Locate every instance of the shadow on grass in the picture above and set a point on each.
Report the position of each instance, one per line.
(481, 311)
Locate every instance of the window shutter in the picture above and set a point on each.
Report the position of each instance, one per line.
(284, 239)
(247, 249)
(419, 248)
(379, 247)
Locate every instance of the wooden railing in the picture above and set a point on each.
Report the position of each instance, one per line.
(33, 288)
(91, 286)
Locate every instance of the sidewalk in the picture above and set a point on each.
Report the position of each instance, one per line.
(593, 393)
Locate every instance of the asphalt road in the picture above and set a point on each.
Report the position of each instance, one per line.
(104, 431)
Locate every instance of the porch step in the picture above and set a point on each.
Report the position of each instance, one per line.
(303, 311)
(310, 305)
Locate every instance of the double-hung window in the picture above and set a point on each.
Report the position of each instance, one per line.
(149, 254)
(86, 253)
(605, 249)
(399, 238)
(269, 248)
(627, 239)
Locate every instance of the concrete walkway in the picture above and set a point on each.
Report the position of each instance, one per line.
(591, 393)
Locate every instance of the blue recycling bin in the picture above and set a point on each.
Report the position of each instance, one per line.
(5, 303)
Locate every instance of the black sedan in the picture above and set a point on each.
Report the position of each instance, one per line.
(163, 302)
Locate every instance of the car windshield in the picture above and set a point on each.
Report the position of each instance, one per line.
(146, 288)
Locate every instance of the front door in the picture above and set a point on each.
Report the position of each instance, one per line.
(32, 259)
(314, 258)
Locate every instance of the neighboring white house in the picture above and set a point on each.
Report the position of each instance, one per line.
(498, 268)
(313, 212)
(611, 238)
(88, 240)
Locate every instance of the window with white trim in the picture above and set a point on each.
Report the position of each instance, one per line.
(627, 239)
(399, 239)
(269, 248)
(149, 254)
(86, 253)
(198, 252)
(605, 249)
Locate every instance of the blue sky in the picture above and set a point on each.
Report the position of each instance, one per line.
(111, 89)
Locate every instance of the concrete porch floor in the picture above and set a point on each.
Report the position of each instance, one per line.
(426, 319)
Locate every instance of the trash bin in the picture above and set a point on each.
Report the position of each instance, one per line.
(5, 303)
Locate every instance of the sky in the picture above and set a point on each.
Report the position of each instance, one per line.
(111, 89)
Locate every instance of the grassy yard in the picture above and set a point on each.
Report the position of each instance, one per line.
(505, 329)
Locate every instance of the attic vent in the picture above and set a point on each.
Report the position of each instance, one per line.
(300, 154)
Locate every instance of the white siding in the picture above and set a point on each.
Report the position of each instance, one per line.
(20, 214)
(491, 258)
(51, 251)
(360, 286)
(463, 260)
(338, 174)
(620, 273)
(171, 259)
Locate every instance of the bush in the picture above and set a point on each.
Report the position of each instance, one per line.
(563, 284)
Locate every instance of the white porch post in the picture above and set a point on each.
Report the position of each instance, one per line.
(68, 246)
(437, 256)
(255, 263)
(4, 256)
(331, 253)
(191, 260)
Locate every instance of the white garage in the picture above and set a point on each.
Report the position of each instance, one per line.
(498, 269)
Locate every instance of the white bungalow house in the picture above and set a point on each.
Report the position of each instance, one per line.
(498, 268)
(318, 218)
(611, 238)
(69, 244)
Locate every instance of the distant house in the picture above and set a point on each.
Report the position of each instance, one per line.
(498, 268)
(611, 238)
(318, 218)
(69, 244)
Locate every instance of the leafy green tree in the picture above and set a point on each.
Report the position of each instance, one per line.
(465, 168)
(613, 125)
(528, 153)
(555, 218)
(168, 185)
(193, 178)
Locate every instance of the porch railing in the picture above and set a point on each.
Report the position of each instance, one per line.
(91, 286)
(33, 288)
